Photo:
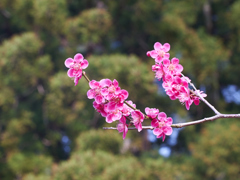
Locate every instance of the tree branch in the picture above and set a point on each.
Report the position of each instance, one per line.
(180, 125)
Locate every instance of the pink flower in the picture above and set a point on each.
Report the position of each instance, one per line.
(100, 108)
(151, 112)
(160, 52)
(110, 88)
(126, 109)
(75, 67)
(117, 100)
(113, 115)
(95, 92)
(158, 69)
(184, 97)
(122, 126)
(172, 67)
(174, 90)
(162, 125)
(138, 118)
(167, 82)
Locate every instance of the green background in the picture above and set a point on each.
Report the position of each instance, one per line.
(39, 104)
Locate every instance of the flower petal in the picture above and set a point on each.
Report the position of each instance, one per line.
(90, 94)
(115, 83)
(99, 99)
(158, 59)
(158, 46)
(154, 123)
(77, 79)
(166, 47)
(68, 62)
(153, 54)
(84, 64)
(166, 62)
(139, 127)
(157, 131)
(78, 57)
(175, 60)
(162, 115)
(166, 55)
(105, 82)
(124, 93)
(70, 73)
(123, 120)
(168, 130)
(125, 132)
(179, 68)
(111, 106)
(109, 118)
(169, 121)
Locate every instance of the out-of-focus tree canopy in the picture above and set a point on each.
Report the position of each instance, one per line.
(48, 127)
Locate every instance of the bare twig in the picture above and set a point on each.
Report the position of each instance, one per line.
(202, 98)
(84, 74)
(180, 125)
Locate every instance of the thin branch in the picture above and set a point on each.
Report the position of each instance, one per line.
(180, 125)
(130, 128)
(218, 116)
(129, 105)
(84, 74)
(202, 98)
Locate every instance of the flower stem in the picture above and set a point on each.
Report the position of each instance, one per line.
(85, 76)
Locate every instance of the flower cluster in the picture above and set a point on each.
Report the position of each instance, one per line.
(160, 122)
(75, 66)
(109, 101)
(169, 71)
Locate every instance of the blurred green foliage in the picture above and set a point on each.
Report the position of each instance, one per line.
(39, 104)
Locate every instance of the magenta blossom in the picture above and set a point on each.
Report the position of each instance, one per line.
(160, 52)
(151, 112)
(75, 67)
(122, 126)
(158, 69)
(138, 118)
(110, 88)
(162, 125)
(100, 108)
(113, 115)
(117, 100)
(173, 67)
(126, 109)
(95, 92)
(185, 97)
(174, 90)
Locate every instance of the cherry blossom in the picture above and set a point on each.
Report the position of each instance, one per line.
(116, 100)
(100, 108)
(160, 52)
(162, 125)
(172, 67)
(122, 126)
(126, 111)
(95, 92)
(151, 112)
(158, 69)
(75, 66)
(138, 118)
(113, 115)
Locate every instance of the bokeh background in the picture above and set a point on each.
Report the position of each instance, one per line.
(48, 127)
